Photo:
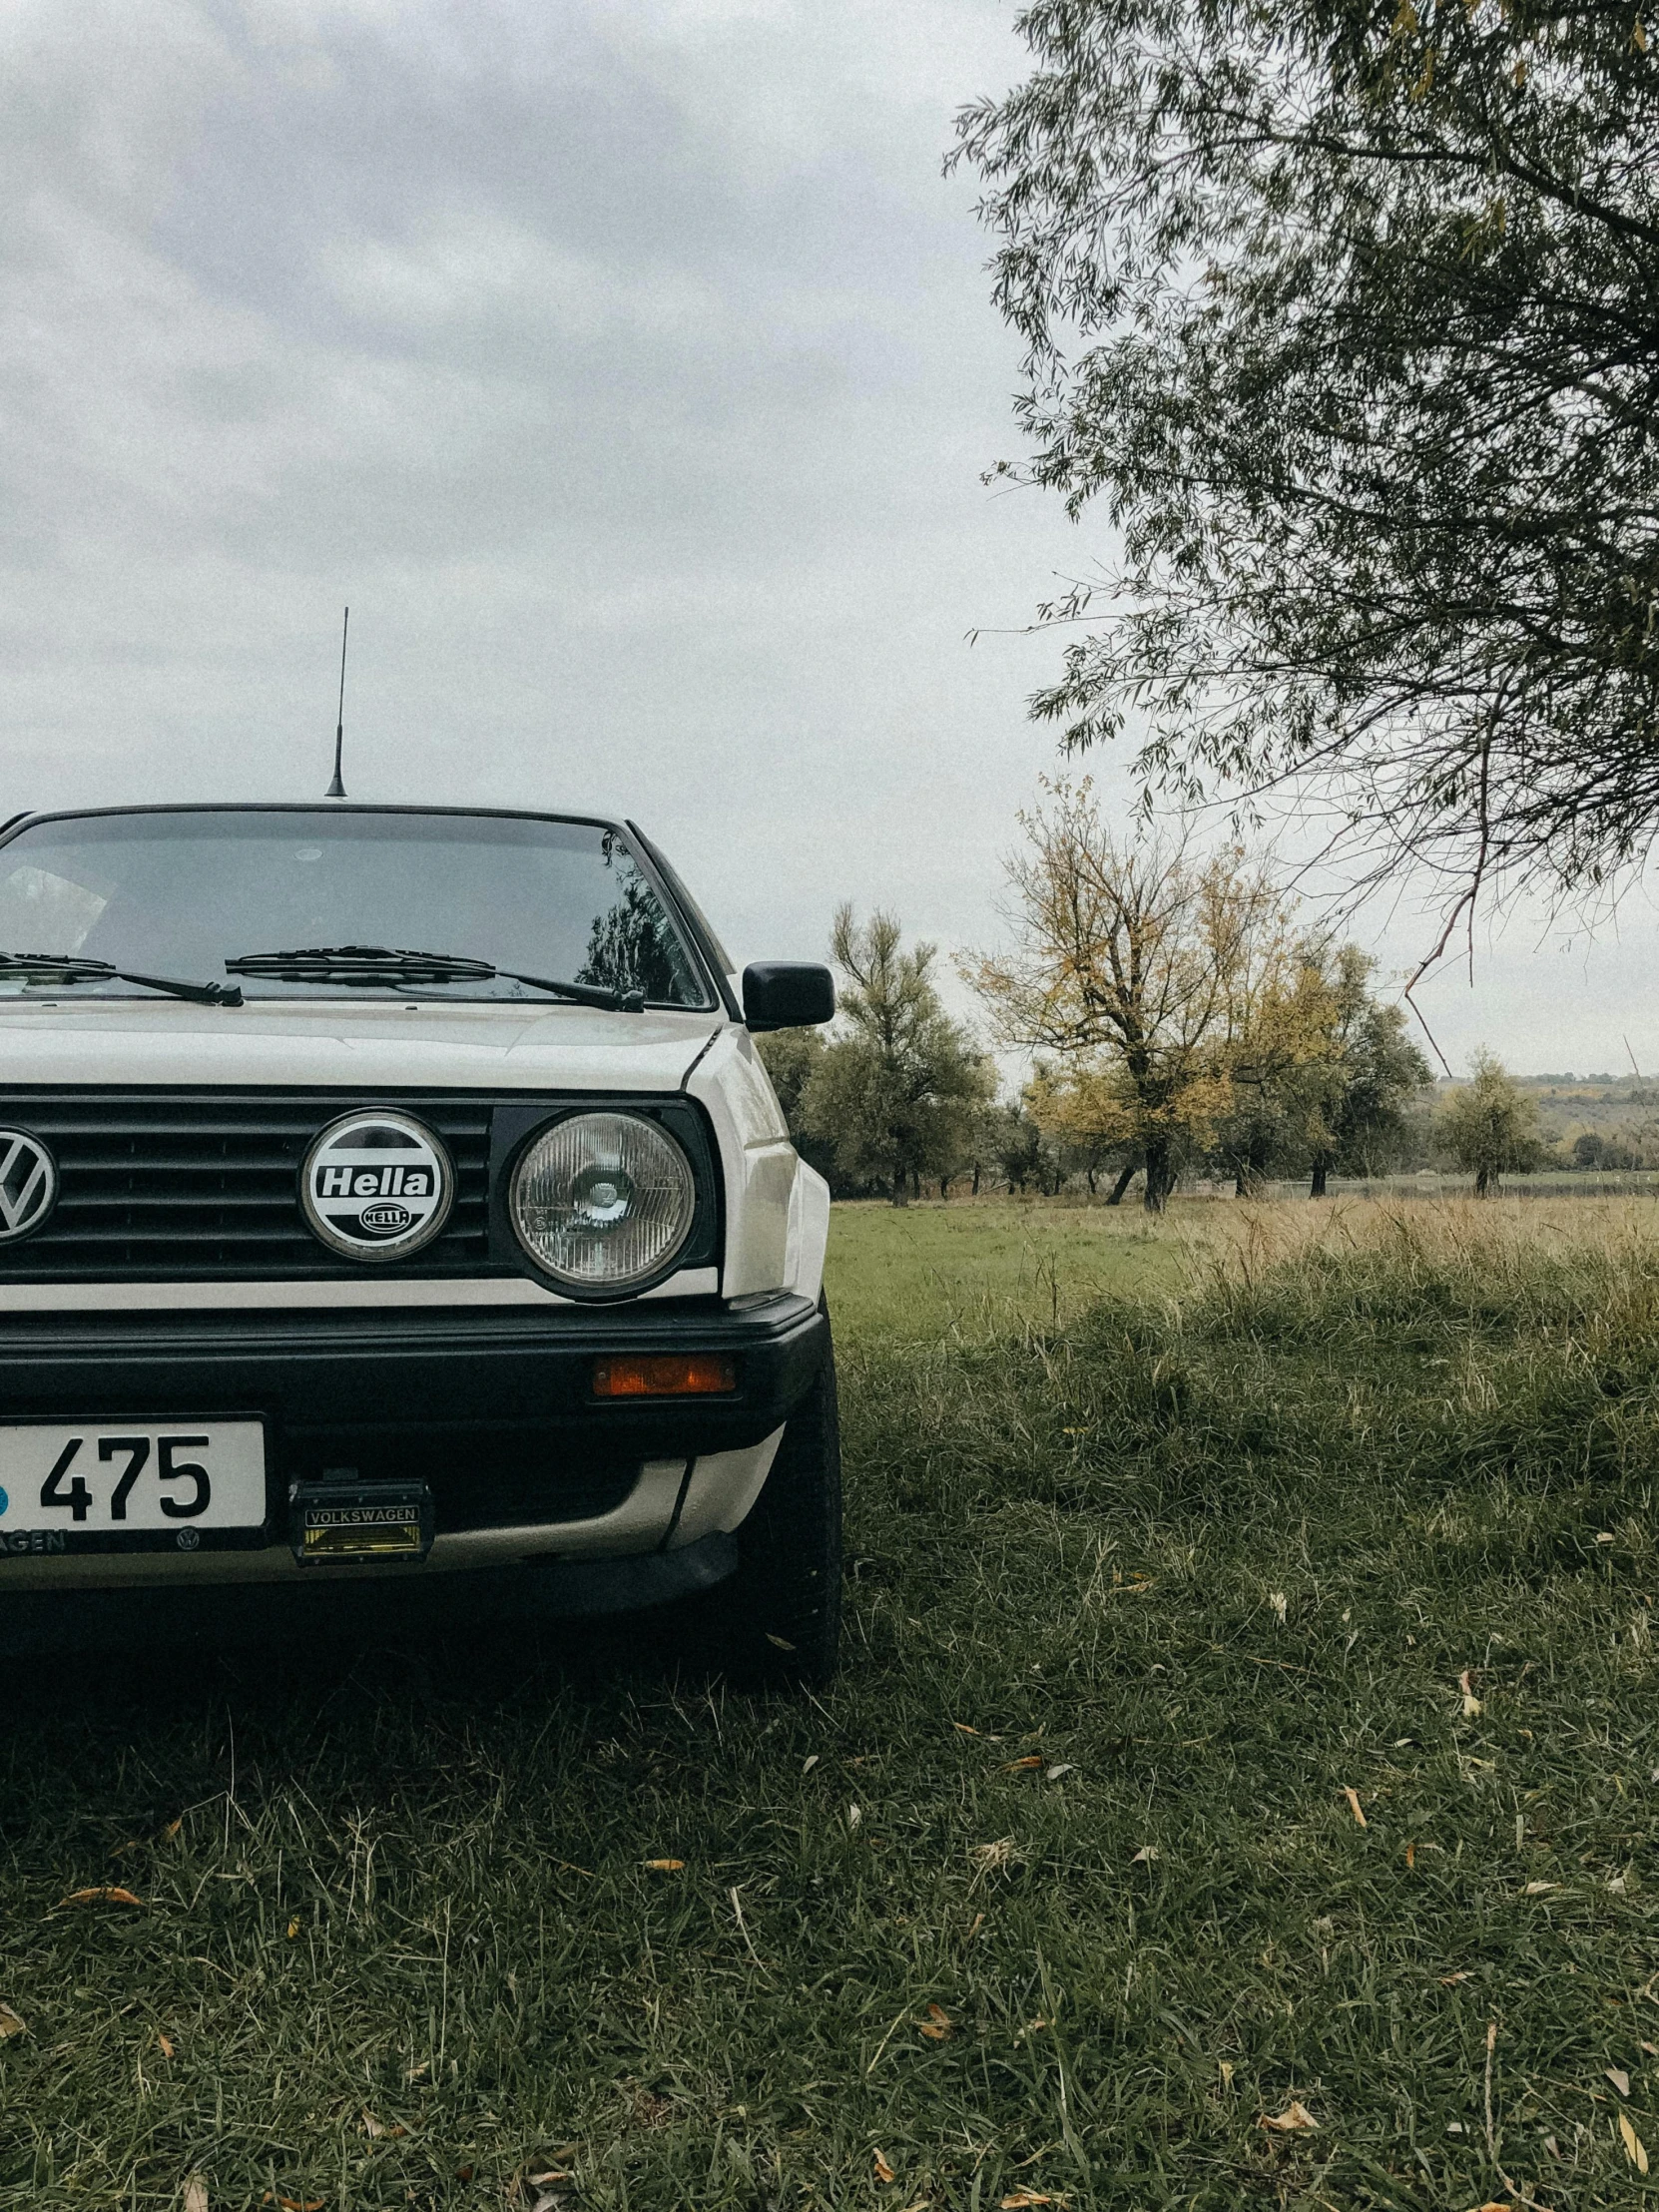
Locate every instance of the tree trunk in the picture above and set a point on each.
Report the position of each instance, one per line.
(900, 1184)
(1090, 1173)
(1317, 1187)
(1486, 1182)
(976, 1179)
(1158, 1176)
(1125, 1178)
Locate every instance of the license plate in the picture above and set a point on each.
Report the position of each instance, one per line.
(81, 1488)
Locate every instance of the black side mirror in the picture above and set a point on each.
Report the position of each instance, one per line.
(786, 994)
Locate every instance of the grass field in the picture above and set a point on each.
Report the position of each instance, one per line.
(1248, 1714)
(931, 1272)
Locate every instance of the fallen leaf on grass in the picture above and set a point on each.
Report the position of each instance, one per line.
(1450, 1980)
(938, 2024)
(1022, 2198)
(1538, 1889)
(1652, 2049)
(782, 1642)
(1353, 1796)
(195, 2194)
(1471, 1704)
(665, 1866)
(1634, 2148)
(377, 2128)
(294, 1927)
(293, 2204)
(1023, 1766)
(103, 1894)
(1224, 2069)
(1145, 1856)
(1619, 2078)
(1604, 1538)
(1494, 2208)
(549, 2179)
(963, 1728)
(855, 1814)
(810, 1761)
(166, 2043)
(11, 2023)
(172, 1829)
(883, 2172)
(1291, 2121)
(1280, 1603)
(1054, 1773)
(1410, 1857)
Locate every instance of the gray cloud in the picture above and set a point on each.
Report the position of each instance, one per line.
(628, 366)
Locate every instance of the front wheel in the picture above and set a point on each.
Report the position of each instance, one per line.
(777, 1619)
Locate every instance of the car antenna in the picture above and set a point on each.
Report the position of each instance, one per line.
(337, 790)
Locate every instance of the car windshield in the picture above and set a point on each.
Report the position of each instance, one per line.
(180, 894)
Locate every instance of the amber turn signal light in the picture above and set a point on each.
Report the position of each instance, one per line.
(664, 1375)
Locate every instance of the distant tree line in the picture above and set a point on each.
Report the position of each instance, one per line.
(1181, 1026)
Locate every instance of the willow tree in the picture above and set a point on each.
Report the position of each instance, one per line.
(1358, 1092)
(1489, 1125)
(1345, 313)
(895, 1090)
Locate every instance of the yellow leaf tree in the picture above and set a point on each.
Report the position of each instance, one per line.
(1159, 977)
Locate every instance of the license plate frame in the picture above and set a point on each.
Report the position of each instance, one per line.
(233, 1449)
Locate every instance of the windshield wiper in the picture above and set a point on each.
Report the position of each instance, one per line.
(363, 964)
(67, 968)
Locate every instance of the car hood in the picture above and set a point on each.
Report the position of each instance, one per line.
(329, 1044)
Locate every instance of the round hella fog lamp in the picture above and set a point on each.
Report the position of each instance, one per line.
(603, 1202)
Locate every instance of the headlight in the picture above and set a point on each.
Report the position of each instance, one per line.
(603, 1202)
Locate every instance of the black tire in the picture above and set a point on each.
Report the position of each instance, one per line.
(778, 1620)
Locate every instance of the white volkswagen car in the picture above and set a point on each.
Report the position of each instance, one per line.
(394, 1210)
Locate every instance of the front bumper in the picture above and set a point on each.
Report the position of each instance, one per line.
(494, 1409)
(302, 1607)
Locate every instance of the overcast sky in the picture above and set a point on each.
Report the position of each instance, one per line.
(629, 367)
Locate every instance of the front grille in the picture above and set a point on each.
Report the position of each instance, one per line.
(157, 1185)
